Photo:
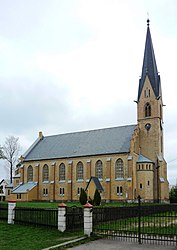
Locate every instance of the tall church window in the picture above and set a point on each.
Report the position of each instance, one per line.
(45, 174)
(147, 110)
(62, 172)
(79, 171)
(30, 174)
(99, 169)
(119, 169)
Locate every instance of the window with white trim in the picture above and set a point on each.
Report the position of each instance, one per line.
(62, 172)
(61, 191)
(45, 173)
(45, 191)
(119, 190)
(79, 171)
(30, 174)
(119, 169)
(99, 169)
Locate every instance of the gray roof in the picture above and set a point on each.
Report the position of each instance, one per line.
(24, 188)
(7, 181)
(97, 183)
(86, 143)
(10, 185)
(149, 67)
(143, 159)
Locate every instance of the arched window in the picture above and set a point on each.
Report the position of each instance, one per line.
(147, 110)
(79, 171)
(99, 169)
(30, 174)
(119, 169)
(62, 172)
(45, 174)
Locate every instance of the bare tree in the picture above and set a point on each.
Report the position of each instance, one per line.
(1, 153)
(11, 149)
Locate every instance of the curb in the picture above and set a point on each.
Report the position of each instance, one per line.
(66, 243)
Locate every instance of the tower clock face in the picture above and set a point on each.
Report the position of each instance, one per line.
(147, 126)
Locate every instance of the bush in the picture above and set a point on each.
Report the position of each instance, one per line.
(173, 195)
(97, 198)
(83, 197)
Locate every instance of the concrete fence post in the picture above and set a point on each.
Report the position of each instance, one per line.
(62, 217)
(11, 211)
(88, 226)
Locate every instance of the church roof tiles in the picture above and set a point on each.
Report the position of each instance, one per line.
(86, 143)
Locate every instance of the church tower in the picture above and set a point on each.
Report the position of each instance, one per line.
(151, 166)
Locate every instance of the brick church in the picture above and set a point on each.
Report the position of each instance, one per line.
(126, 161)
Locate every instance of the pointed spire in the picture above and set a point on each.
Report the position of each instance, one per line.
(149, 66)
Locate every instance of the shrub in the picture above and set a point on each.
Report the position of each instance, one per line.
(83, 197)
(173, 195)
(97, 198)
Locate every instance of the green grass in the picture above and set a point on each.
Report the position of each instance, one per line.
(47, 204)
(33, 204)
(19, 237)
(162, 223)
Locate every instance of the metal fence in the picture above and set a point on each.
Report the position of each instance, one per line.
(3, 211)
(36, 216)
(157, 223)
(74, 218)
(45, 217)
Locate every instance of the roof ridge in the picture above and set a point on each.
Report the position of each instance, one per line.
(83, 131)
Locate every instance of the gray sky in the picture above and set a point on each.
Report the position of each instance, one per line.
(72, 65)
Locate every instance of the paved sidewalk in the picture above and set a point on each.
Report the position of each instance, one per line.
(106, 244)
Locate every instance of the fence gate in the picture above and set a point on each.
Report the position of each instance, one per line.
(140, 223)
(74, 218)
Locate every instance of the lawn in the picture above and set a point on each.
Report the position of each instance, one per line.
(162, 224)
(19, 237)
(37, 204)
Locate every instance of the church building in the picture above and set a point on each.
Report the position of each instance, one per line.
(127, 160)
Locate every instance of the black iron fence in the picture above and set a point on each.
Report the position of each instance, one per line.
(74, 218)
(36, 216)
(141, 223)
(3, 211)
(45, 217)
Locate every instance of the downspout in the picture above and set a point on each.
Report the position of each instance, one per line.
(54, 182)
(72, 182)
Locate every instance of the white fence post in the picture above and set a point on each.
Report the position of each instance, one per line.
(88, 210)
(62, 217)
(11, 211)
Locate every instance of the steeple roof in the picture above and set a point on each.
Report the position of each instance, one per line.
(149, 66)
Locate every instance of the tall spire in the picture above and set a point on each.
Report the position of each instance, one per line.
(149, 66)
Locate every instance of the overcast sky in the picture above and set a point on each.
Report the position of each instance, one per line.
(72, 65)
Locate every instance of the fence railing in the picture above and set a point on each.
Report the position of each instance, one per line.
(143, 223)
(3, 211)
(36, 216)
